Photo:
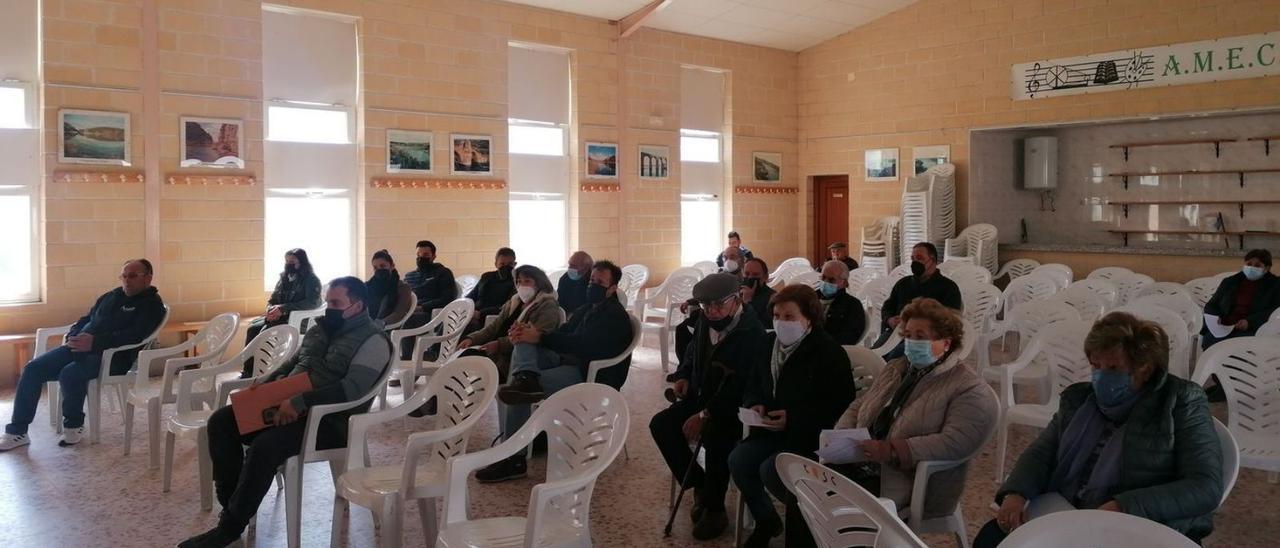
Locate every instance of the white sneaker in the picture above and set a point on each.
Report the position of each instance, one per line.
(13, 441)
(71, 436)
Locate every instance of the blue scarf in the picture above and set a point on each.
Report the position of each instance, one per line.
(1088, 467)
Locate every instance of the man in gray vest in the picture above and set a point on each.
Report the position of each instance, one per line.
(344, 354)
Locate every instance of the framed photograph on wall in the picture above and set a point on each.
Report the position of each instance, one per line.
(409, 151)
(923, 158)
(881, 164)
(766, 167)
(211, 142)
(471, 154)
(602, 160)
(654, 162)
(93, 137)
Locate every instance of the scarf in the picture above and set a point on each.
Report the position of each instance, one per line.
(1088, 459)
(911, 376)
(780, 356)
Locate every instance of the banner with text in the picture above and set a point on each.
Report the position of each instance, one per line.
(1190, 63)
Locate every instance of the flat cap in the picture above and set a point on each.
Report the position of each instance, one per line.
(715, 287)
(838, 245)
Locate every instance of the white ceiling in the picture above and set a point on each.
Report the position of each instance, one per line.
(791, 25)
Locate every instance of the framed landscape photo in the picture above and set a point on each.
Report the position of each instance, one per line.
(602, 160)
(881, 164)
(654, 162)
(409, 151)
(211, 142)
(471, 154)
(766, 167)
(923, 158)
(93, 137)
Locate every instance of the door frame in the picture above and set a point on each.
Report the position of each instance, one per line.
(819, 248)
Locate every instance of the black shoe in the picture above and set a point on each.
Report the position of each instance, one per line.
(698, 510)
(765, 530)
(712, 525)
(513, 467)
(213, 538)
(524, 389)
(428, 408)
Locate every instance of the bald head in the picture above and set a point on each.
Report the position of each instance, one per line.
(582, 262)
(135, 276)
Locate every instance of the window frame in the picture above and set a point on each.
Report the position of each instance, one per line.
(305, 105)
(701, 134)
(517, 122)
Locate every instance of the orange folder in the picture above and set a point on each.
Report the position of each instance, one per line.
(255, 407)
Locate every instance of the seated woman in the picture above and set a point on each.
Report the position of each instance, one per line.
(1244, 300)
(803, 391)
(1135, 440)
(534, 303)
(297, 289)
(924, 406)
(389, 296)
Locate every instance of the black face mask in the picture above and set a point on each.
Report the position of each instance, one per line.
(290, 269)
(382, 275)
(424, 263)
(751, 282)
(595, 293)
(332, 321)
(505, 271)
(720, 324)
(917, 268)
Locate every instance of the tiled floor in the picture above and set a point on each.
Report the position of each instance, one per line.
(96, 496)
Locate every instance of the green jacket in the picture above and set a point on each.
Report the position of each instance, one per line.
(1171, 469)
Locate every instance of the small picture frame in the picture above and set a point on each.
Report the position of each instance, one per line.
(880, 164)
(654, 164)
(410, 151)
(766, 167)
(602, 160)
(925, 157)
(211, 142)
(94, 137)
(471, 154)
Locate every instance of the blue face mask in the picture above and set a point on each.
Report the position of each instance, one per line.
(1253, 273)
(919, 352)
(574, 275)
(828, 290)
(1112, 387)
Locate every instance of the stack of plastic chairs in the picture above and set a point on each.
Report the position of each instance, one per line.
(976, 243)
(929, 208)
(880, 245)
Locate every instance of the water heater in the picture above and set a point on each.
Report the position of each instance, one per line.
(1040, 163)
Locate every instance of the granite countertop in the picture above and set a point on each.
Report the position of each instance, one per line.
(1125, 250)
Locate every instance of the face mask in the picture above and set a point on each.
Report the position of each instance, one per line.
(423, 263)
(917, 268)
(505, 271)
(731, 266)
(595, 294)
(919, 352)
(751, 282)
(332, 320)
(574, 275)
(1112, 387)
(828, 290)
(291, 269)
(1253, 273)
(382, 274)
(789, 331)
(526, 293)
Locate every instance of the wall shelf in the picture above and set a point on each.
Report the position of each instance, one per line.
(1125, 175)
(1126, 203)
(1217, 145)
(1266, 141)
(1224, 233)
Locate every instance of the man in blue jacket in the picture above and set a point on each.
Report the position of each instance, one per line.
(121, 317)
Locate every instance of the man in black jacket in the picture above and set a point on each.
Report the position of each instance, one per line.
(434, 285)
(728, 345)
(840, 252)
(1244, 300)
(123, 316)
(571, 288)
(925, 281)
(494, 288)
(756, 291)
(542, 365)
(845, 319)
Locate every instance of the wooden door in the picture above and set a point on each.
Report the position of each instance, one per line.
(830, 214)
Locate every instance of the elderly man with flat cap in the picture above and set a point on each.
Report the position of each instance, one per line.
(727, 344)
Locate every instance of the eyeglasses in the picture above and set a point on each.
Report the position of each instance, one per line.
(722, 303)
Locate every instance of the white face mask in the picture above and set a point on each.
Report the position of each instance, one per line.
(731, 266)
(526, 293)
(789, 331)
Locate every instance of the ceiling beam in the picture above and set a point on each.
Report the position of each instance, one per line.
(633, 22)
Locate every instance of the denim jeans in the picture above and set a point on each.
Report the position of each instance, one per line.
(553, 377)
(72, 370)
(752, 464)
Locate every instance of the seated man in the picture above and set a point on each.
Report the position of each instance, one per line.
(344, 354)
(840, 252)
(542, 365)
(731, 261)
(728, 344)
(845, 319)
(494, 289)
(735, 241)
(121, 317)
(571, 288)
(925, 281)
(434, 285)
(756, 292)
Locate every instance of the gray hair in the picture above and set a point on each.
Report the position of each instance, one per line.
(839, 265)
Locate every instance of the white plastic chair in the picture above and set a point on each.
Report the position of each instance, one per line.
(663, 302)
(301, 319)
(466, 283)
(1059, 346)
(272, 347)
(1109, 273)
(586, 426)
(880, 245)
(901, 271)
(464, 388)
(785, 271)
(866, 364)
(1230, 459)
(209, 343)
(634, 278)
(555, 274)
(859, 277)
(1058, 272)
(1095, 528)
(413, 305)
(981, 304)
(1269, 329)
(1106, 290)
(1202, 289)
(874, 294)
(1174, 327)
(1248, 368)
(966, 274)
(1016, 268)
(1088, 303)
(1131, 286)
(838, 511)
(451, 320)
(1224, 275)
(977, 243)
(707, 267)
(807, 277)
(797, 262)
(1186, 308)
(1164, 288)
(1032, 287)
(595, 366)
(311, 453)
(105, 378)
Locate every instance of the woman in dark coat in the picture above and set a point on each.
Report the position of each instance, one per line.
(804, 389)
(1244, 300)
(297, 289)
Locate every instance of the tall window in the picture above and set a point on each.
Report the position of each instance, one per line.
(19, 153)
(701, 163)
(538, 137)
(310, 82)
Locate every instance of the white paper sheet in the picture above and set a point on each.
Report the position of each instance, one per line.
(1216, 329)
(749, 417)
(841, 446)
